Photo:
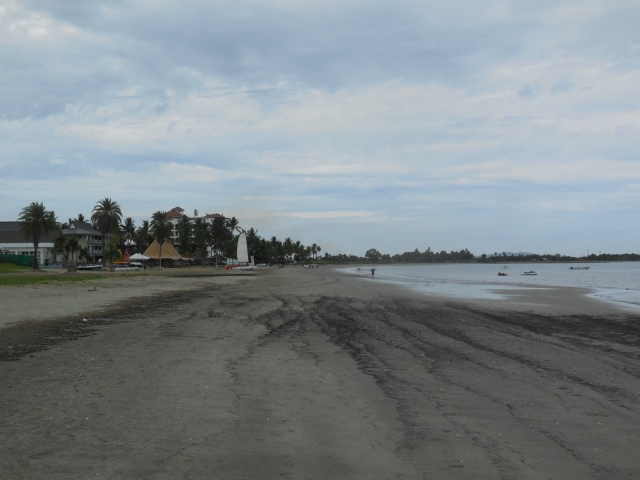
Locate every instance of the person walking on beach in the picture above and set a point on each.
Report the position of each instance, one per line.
(373, 271)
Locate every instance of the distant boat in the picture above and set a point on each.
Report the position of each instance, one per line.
(579, 268)
(502, 274)
(530, 272)
(96, 266)
(505, 267)
(125, 267)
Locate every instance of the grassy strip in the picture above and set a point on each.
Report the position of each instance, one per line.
(11, 268)
(34, 280)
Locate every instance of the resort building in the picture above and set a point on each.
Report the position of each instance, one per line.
(210, 217)
(12, 242)
(88, 238)
(174, 215)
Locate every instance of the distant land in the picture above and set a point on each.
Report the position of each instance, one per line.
(465, 256)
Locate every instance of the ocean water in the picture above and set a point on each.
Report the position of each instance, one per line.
(617, 282)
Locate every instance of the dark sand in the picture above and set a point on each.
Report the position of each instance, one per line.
(309, 374)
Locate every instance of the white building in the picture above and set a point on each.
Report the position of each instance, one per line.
(12, 242)
(174, 215)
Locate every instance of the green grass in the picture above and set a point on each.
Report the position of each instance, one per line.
(11, 281)
(11, 268)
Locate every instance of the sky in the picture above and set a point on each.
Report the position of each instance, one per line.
(487, 125)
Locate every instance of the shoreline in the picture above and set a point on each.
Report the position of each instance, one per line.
(546, 299)
(102, 294)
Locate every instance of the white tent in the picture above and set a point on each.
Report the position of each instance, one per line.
(139, 256)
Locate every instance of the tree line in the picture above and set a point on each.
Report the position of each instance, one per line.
(557, 258)
(218, 238)
(374, 256)
(196, 236)
(465, 256)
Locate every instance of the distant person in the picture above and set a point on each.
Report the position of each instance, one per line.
(373, 271)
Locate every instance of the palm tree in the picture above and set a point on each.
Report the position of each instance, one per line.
(112, 252)
(233, 224)
(201, 235)
(276, 248)
(252, 240)
(300, 250)
(185, 233)
(71, 249)
(36, 223)
(59, 247)
(220, 236)
(106, 218)
(287, 246)
(129, 230)
(161, 229)
(68, 247)
(80, 218)
(143, 235)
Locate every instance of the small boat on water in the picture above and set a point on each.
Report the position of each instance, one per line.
(530, 272)
(502, 274)
(579, 268)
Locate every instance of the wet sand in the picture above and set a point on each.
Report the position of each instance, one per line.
(102, 291)
(310, 374)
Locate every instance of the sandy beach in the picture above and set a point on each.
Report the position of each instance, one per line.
(311, 374)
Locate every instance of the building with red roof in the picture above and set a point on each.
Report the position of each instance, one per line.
(174, 215)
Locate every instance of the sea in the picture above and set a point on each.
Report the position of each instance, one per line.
(617, 282)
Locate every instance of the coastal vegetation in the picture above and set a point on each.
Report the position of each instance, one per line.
(465, 256)
(557, 258)
(202, 238)
(36, 223)
(106, 218)
(71, 251)
(374, 256)
(161, 229)
(197, 237)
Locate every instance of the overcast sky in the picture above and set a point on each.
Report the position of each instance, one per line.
(493, 126)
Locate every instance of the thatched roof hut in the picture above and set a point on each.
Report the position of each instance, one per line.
(168, 251)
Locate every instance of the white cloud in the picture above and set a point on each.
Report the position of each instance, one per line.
(313, 113)
(336, 214)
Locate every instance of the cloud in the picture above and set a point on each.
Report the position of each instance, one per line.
(317, 115)
(527, 92)
(336, 214)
